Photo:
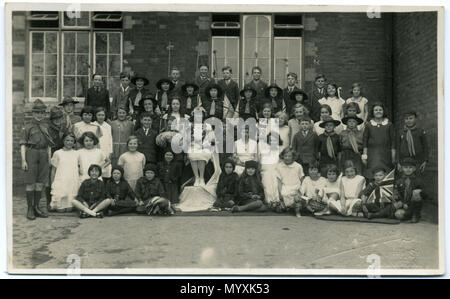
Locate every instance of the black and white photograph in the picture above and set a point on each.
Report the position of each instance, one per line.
(219, 139)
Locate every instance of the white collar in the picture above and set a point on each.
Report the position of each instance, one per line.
(383, 123)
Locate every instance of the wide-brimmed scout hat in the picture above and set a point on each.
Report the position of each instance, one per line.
(347, 118)
(68, 100)
(215, 86)
(408, 162)
(55, 113)
(296, 92)
(247, 87)
(329, 119)
(165, 80)
(139, 76)
(272, 85)
(39, 106)
(189, 84)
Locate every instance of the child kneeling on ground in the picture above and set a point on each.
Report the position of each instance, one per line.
(375, 203)
(119, 194)
(250, 190)
(151, 194)
(289, 176)
(409, 192)
(227, 188)
(91, 195)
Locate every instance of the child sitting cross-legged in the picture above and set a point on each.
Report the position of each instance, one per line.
(312, 189)
(91, 195)
(332, 189)
(375, 203)
(227, 188)
(151, 194)
(119, 194)
(352, 184)
(250, 190)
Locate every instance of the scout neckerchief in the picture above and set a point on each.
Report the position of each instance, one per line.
(330, 148)
(410, 140)
(138, 97)
(408, 191)
(164, 100)
(189, 101)
(247, 106)
(274, 103)
(44, 131)
(352, 139)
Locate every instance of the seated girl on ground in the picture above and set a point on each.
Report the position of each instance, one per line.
(227, 188)
(119, 194)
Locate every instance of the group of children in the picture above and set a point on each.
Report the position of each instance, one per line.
(334, 156)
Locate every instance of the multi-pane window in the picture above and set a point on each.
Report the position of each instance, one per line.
(272, 42)
(67, 49)
(43, 64)
(287, 58)
(76, 63)
(108, 56)
(257, 39)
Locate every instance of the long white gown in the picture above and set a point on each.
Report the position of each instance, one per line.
(66, 183)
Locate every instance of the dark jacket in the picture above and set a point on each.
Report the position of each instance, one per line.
(228, 185)
(322, 146)
(202, 84)
(240, 108)
(98, 99)
(248, 186)
(169, 172)
(147, 144)
(305, 147)
(120, 98)
(403, 192)
(231, 90)
(206, 104)
(420, 145)
(177, 88)
(91, 192)
(36, 134)
(120, 191)
(56, 134)
(146, 189)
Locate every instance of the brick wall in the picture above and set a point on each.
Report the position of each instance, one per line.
(415, 77)
(146, 36)
(349, 48)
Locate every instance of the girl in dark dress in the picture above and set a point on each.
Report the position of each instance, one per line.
(274, 95)
(91, 195)
(119, 194)
(250, 190)
(378, 141)
(169, 172)
(227, 188)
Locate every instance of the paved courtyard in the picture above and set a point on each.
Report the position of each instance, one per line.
(219, 242)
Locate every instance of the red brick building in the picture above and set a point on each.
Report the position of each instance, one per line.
(394, 56)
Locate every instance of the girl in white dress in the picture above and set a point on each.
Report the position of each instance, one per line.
(105, 141)
(64, 176)
(90, 154)
(289, 175)
(86, 124)
(133, 162)
(312, 189)
(245, 150)
(283, 130)
(332, 189)
(333, 100)
(360, 100)
(351, 186)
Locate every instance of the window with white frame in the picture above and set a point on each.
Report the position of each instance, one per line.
(257, 39)
(287, 58)
(108, 56)
(65, 50)
(43, 80)
(226, 53)
(75, 64)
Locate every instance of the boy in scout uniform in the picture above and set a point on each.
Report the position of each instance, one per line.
(36, 153)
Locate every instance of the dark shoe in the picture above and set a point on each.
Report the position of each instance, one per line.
(235, 209)
(37, 210)
(83, 215)
(415, 219)
(30, 200)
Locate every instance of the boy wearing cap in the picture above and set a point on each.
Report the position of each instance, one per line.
(412, 141)
(70, 118)
(408, 191)
(35, 150)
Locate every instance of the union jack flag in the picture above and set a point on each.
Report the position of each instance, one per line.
(385, 190)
